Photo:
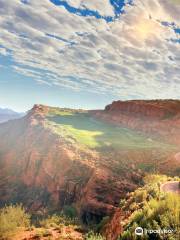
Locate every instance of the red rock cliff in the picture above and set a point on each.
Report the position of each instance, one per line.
(156, 117)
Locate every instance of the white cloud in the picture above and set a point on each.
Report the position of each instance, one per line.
(4, 52)
(130, 56)
(101, 6)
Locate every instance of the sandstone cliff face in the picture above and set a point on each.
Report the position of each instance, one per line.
(157, 117)
(156, 109)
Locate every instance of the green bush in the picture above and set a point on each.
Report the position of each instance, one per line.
(12, 218)
(102, 223)
(151, 208)
(70, 211)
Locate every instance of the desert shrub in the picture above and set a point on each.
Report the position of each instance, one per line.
(140, 196)
(151, 179)
(52, 221)
(93, 236)
(163, 214)
(133, 206)
(137, 216)
(43, 233)
(57, 221)
(12, 218)
(126, 235)
(122, 203)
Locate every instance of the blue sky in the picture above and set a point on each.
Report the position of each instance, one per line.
(21, 93)
(85, 54)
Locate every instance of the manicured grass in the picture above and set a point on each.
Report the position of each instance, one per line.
(95, 134)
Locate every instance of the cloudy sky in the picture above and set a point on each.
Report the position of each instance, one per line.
(86, 53)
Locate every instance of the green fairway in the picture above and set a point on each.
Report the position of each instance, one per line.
(94, 133)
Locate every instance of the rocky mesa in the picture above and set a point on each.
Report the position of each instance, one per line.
(55, 157)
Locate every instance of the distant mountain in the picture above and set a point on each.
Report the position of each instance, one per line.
(8, 114)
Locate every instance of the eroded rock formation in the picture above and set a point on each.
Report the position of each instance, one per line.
(44, 169)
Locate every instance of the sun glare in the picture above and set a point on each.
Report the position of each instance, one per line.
(144, 29)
